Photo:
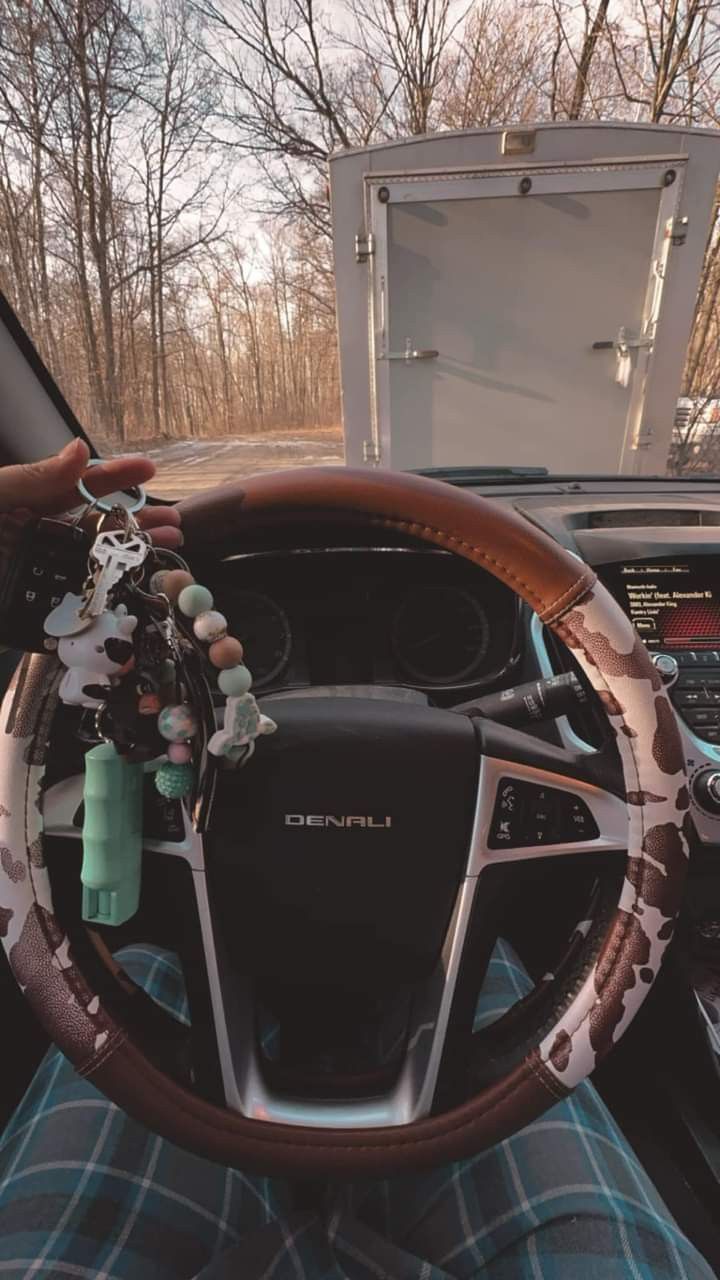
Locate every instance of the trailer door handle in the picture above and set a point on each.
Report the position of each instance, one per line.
(411, 353)
(624, 343)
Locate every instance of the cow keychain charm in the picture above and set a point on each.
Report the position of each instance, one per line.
(94, 640)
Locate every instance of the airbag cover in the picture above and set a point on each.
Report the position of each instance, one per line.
(336, 853)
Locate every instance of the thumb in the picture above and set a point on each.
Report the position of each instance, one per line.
(47, 486)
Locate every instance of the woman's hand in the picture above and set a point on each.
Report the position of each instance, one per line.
(50, 487)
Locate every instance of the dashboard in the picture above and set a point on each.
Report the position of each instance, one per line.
(372, 608)
(674, 604)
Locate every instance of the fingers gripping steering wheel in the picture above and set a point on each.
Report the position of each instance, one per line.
(440, 836)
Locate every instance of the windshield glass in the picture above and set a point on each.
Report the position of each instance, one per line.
(169, 242)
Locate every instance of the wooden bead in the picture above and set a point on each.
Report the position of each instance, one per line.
(170, 582)
(226, 653)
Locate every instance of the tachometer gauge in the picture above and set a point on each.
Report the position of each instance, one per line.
(440, 635)
(263, 629)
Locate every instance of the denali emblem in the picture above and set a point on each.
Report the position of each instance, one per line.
(333, 820)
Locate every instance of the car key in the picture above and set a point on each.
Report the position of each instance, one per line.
(41, 560)
(115, 554)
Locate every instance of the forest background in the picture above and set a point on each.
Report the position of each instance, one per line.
(164, 215)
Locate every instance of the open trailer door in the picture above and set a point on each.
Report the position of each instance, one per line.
(525, 313)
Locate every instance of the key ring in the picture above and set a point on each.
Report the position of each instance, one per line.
(131, 499)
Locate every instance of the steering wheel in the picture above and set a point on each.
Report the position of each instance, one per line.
(388, 816)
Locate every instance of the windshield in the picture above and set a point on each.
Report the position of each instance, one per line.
(181, 248)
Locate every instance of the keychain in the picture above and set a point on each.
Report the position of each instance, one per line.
(93, 654)
(136, 637)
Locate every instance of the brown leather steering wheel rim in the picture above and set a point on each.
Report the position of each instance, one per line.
(567, 597)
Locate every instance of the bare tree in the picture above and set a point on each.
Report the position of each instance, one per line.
(182, 194)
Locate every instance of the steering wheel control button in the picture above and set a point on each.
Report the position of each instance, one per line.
(527, 815)
(666, 666)
(507, 819)
(540, 824)
(706, 790)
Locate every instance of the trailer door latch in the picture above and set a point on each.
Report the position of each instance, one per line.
(623, 345)
(410, 353)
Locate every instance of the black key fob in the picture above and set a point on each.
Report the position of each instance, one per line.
(40, 561)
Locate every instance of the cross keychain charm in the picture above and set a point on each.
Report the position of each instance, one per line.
(115, 552)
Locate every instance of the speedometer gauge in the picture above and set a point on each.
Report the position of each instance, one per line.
(440, 635)
(263, 629)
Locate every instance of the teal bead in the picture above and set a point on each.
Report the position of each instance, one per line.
(234, 681)
(194, 600)
(174, 780)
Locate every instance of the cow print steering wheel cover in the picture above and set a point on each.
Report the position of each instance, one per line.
(589, 621)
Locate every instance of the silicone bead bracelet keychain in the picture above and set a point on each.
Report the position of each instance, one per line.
(177, 724)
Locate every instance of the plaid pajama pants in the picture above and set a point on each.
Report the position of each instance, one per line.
(87, 1192)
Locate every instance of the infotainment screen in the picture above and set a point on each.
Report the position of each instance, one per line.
(674, 605)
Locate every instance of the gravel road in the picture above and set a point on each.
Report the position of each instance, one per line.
(186, 466)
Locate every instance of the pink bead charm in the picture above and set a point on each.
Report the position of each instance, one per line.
(179, 752)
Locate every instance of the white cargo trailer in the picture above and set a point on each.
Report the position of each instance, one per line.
(519, 296)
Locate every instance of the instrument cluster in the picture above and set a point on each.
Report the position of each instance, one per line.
(378, 615)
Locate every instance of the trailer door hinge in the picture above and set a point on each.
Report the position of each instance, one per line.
(364, 247)
(676, 231)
